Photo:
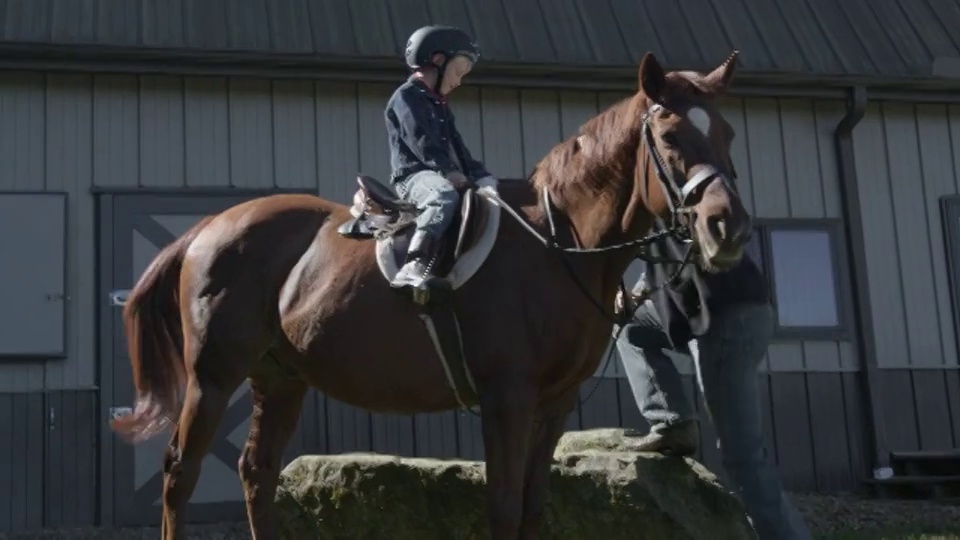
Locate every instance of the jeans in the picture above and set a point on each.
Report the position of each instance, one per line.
(726, 360)
(436, 199)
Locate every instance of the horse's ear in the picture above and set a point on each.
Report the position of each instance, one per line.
(652, 77)
(719, 79)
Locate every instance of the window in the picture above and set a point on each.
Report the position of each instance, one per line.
(801, 260)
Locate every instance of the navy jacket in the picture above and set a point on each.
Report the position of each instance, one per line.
(421, 131)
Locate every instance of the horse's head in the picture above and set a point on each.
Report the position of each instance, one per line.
(683, 168)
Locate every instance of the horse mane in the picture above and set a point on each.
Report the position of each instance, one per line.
(609, 154)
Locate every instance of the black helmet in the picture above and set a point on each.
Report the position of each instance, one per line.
(429, 40)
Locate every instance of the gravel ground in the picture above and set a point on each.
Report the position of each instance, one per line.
(830, 517)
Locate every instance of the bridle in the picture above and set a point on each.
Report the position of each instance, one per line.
(681, 198)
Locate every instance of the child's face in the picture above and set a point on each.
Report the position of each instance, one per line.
(457, 69)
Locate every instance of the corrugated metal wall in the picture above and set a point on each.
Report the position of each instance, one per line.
(69, 133)
(907, 159)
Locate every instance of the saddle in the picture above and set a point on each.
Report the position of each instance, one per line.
(378, 213)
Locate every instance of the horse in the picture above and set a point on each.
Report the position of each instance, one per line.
(290, 291)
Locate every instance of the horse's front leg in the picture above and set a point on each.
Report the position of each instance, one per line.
(508, 414)
(537, 485)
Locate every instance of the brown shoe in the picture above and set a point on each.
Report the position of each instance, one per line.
(681, 439)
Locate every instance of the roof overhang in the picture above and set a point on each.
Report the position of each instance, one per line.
(111, 59)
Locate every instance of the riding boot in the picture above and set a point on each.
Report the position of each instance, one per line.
(421, 258)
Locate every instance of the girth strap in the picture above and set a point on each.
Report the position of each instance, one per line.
(443, 327)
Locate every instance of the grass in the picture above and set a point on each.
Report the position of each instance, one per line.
(891, 534)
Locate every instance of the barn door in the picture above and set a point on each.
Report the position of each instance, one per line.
(134, 228)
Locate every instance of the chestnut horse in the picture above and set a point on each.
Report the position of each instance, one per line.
(271, 291)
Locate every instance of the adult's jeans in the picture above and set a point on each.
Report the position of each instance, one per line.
(726, 360)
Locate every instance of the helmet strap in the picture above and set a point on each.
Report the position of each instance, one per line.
(441, 70)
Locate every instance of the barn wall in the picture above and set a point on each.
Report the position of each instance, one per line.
(70, 133)
(907, 159)
(74, 132)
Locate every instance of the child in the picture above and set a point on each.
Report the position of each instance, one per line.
(429, 159)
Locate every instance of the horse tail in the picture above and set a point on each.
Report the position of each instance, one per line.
(154, 331)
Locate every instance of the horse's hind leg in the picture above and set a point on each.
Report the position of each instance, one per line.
(208, 393)
(278, 400)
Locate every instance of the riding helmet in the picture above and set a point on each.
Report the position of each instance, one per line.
(429, 40)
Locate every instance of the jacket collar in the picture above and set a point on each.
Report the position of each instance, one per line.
(418, 82)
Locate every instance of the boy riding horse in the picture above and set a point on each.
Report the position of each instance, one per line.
(431, 164)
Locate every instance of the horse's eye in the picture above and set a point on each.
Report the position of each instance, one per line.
(670, 139)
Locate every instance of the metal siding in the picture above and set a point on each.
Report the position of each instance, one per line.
(116, 131)
(250, 116)
(502, 132)
(161, 126)
(926, 425)
(295, 134)
(69, 165)
(72, 425)
(338, 140)
(206, 132)
(905, 162)
(22, 422)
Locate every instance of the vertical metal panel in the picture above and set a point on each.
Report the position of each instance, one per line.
(952, 383)
(901, 422)
(22, 468)
(70, 490)
(939, 176)
(338, 140)
(932, 405)
(910, 225)
(69, 169)
(879, 233)
(829, 432)
(502, 132)
(372, 134)
(469, 117)
(294, 134)
(206, 132)
(766, 165)
(161, 131)
(856, 418)
(539, 125)
(906, 162)
(794, 437)
(251, 133)
(116, 130)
